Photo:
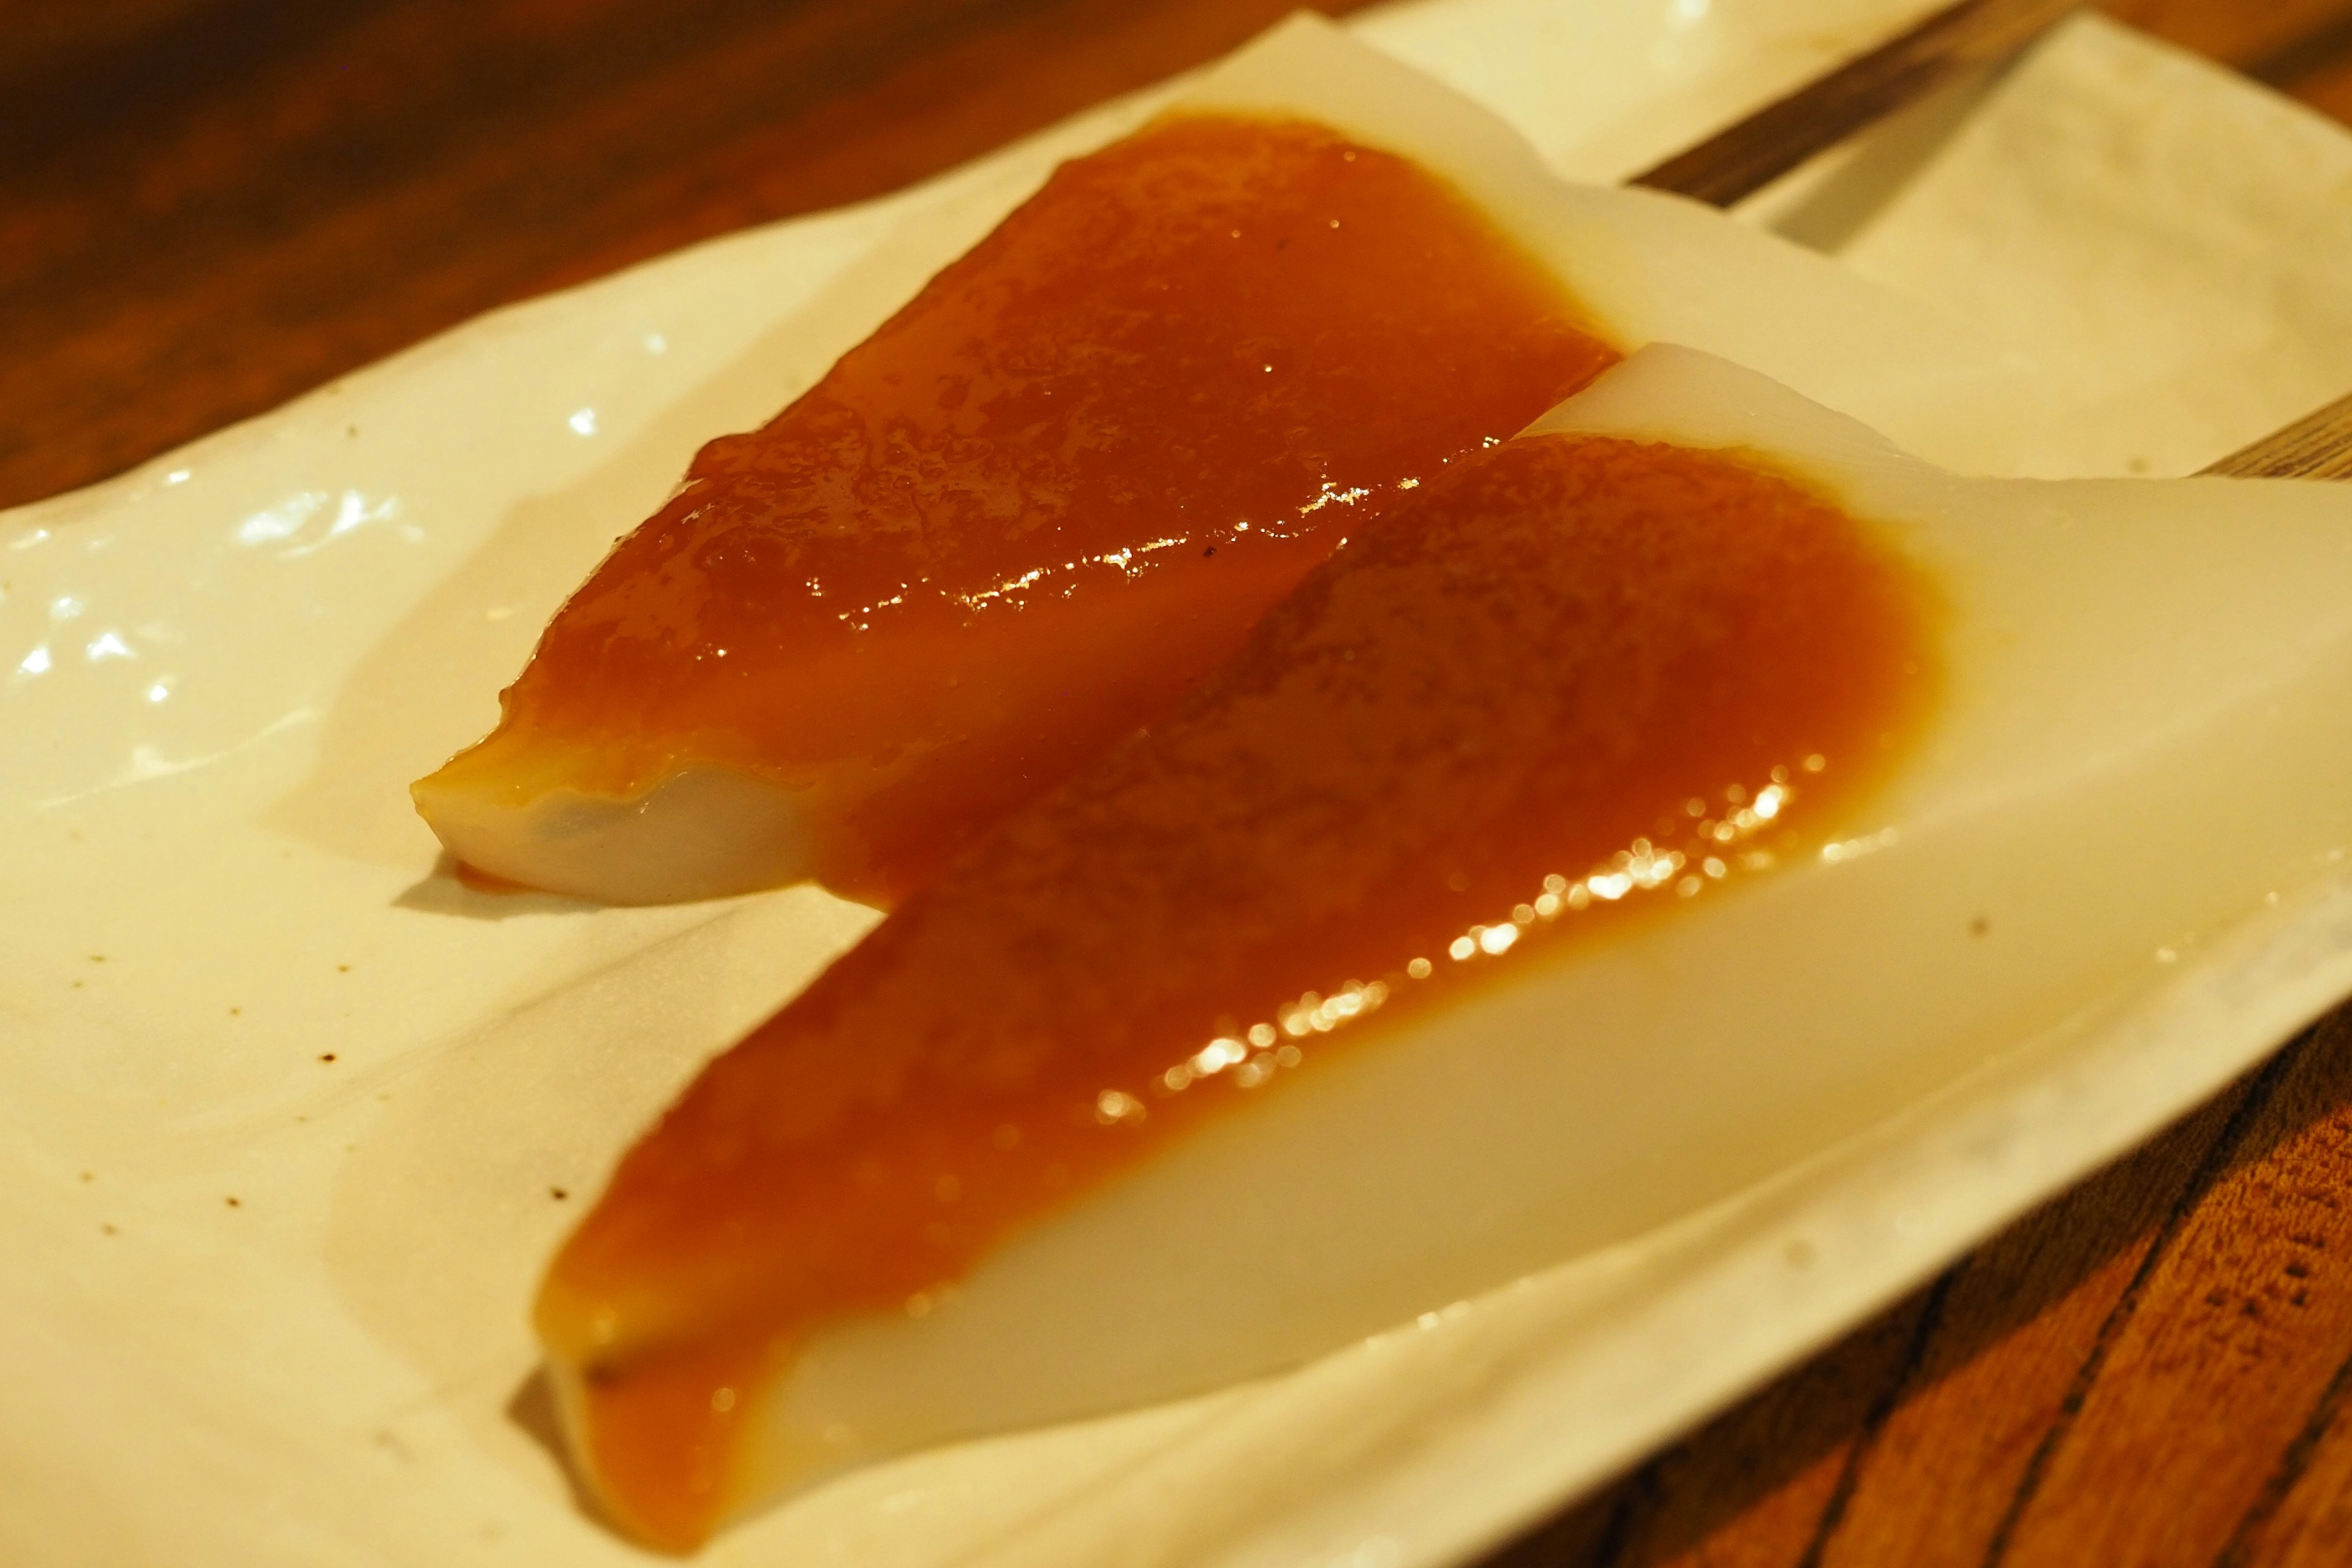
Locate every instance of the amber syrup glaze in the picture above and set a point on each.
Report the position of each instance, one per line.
(1050, 494)
(1577, 678)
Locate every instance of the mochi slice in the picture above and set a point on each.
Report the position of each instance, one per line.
(1659, 796)
(1043, 500)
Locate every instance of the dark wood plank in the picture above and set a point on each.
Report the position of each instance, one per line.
(2024, 1317)
(35, 36)
(2236, 1331)
(1754, 1485)
(2325, 84)
(2303, 1518)
(2258, 37)
(2317, 446)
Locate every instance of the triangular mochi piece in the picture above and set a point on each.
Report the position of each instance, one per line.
(1683, 786)
(1061, 484)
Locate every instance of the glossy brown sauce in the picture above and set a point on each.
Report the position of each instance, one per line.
(1054, 490)
(1575, 679)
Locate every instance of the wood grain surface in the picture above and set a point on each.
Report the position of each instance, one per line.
(207, 206)
(2317, 446)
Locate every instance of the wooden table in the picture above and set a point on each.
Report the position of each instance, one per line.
(207, 206)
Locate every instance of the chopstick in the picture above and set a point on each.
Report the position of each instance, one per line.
(2317, 446)
(1741, 160)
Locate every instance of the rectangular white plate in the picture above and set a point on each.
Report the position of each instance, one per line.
(218, 674)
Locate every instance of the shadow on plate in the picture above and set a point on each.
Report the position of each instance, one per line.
(1883, 163)
(531, 1410)
(444, 892)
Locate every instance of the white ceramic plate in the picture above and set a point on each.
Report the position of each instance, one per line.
(216, 675)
